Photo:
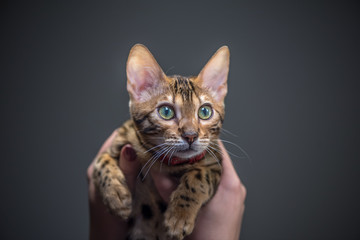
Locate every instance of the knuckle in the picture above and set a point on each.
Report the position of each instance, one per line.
(235, 185)
(243, 192)
(237, 188)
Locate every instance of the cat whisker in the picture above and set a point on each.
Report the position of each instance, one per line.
(171, 156)
(150, 166)
(172, 67)
(155, 147)
(215, 149)
(151, 161)
(213, 155)
(228, 132)
(155, 159)
(173, 149)
(219, 150)
(241, 149)
(161, 151)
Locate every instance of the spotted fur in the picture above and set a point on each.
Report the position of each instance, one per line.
(154, 138)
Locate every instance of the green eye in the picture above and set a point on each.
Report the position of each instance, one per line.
(205, 112)
(166, 112)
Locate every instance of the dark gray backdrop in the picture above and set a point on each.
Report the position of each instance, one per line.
(293, 104)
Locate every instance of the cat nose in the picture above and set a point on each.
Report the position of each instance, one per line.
(190, 137)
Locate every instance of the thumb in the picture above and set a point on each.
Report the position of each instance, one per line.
(129, 165)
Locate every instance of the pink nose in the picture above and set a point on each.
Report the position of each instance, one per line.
(190, 137)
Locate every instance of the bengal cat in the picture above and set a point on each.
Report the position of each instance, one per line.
(174, 126)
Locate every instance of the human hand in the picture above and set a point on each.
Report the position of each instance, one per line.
(104, 225)
(220, 218)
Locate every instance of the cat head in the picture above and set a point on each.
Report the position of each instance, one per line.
(180, 115)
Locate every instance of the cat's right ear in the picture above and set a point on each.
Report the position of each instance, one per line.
(144, 75)
(215, 73)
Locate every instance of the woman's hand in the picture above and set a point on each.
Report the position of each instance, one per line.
(103, 225)
(220, 218)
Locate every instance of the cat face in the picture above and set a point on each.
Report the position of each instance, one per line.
(175, 115)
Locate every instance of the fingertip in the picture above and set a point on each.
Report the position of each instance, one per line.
(127, 161)
(128, 153)
(128, 165)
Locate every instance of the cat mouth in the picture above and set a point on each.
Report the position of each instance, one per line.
(186, 150)
(176, 160)
(185, 153)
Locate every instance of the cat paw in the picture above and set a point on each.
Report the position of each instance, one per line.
(178, 226)
(118, 198)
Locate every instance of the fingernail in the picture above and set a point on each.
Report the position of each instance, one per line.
(130, 154)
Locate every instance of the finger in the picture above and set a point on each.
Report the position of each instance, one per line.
(223, 213)
(103, 225)
(129, 165)
(227, 163)
(229, 176)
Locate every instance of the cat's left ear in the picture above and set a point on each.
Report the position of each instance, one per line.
(144, 74)
(215, 73)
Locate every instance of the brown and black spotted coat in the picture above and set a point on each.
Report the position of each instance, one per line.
(147, 214)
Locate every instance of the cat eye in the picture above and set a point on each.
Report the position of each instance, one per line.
(166, 112)
(205, 112)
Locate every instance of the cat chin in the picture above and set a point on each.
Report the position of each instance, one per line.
(187, 154)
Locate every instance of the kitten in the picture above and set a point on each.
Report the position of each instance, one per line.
(175, 123)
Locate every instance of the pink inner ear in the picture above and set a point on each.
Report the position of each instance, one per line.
(149, 79)
(216, 81)
(142, 79)
(215, 78)
(139, 80)
(214, 75)
(143, 72)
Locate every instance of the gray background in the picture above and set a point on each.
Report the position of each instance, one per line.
(293, 104)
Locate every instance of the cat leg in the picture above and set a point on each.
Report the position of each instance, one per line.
(110, 180)
(196, 187)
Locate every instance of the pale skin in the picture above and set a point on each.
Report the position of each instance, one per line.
(220, 218)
